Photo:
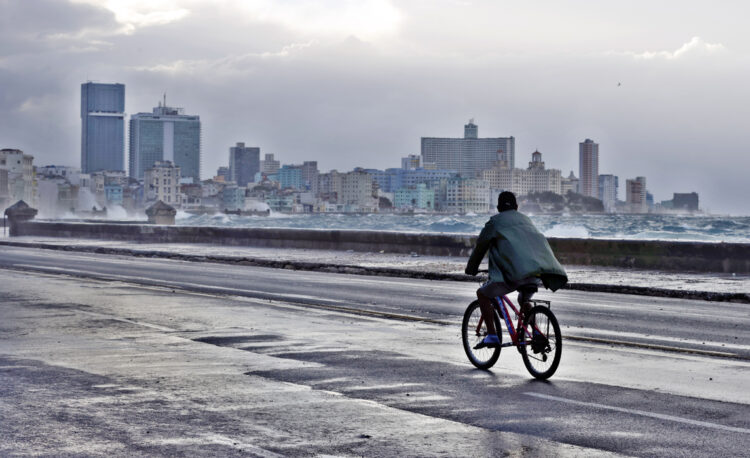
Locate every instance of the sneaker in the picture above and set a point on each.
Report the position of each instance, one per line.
(490, 341)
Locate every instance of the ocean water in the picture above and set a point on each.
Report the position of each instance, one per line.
(634, 227)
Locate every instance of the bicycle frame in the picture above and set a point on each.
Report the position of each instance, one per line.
(500, 304)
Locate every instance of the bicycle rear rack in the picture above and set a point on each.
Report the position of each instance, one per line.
(536, 302)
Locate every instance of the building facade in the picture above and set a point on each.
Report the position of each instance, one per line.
(685, 201)
(536, 178)
(570, 184)
(469, 155)
(162, 182)
(166, 134)
(357, 192)
(17, 179)
(588, 168)
(416, 198)
(269, 166)
(467, 195)
(329, 186)
(290, 176)
(608, 185)
(244, 163)
(310, 176)
(635, 195)
(102, 127)
(411, 162)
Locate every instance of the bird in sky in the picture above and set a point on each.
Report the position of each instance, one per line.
(619, 84)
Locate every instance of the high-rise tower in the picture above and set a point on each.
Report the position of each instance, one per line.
(166, 134)
(588, 168)
(468, 155)
(102, 127)
(244, 163)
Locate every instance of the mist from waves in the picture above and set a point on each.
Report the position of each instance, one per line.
(631, 227)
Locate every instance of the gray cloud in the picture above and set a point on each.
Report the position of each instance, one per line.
(347, 101)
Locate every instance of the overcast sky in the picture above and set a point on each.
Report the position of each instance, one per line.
(357, 82)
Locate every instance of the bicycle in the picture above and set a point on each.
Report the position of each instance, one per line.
(540, 349)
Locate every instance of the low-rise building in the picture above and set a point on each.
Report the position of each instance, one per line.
(569, 184)
(233, 198)
(416, 198)
(113, 194)
(467, 195)
(19, 181)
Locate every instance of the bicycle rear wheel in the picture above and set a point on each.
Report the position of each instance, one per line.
(472, 334)
(541, 343)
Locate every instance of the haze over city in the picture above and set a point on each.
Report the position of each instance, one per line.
(660, 87)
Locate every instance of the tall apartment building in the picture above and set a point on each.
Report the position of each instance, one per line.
(17, 180)
(588, 168)
(166, 134)
(635, 195)
(608, 185)
(244, 163)
(269, 166)
(102, 127)
(469, 155)
(162, 182)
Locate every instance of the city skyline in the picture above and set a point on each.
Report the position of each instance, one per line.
(358, 86)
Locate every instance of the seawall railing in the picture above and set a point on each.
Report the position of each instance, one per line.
(646, 254)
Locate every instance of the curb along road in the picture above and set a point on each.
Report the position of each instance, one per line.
(378, 271)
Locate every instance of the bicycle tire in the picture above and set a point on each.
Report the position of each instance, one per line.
(541, 355)
(484, 358)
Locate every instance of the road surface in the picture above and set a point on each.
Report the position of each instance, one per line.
(127, 356)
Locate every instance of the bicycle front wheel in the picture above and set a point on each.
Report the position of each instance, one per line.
(541, 343)
(472, 333)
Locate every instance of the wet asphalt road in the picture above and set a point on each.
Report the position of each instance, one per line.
(138, 356)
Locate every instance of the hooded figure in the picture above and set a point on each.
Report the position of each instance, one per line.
(518, 250)
(520, 258)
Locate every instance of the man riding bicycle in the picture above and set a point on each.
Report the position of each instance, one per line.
(520, 258)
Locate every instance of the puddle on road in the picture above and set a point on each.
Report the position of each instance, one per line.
(231, 341)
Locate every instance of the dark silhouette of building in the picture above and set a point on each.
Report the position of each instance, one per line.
(685, 201)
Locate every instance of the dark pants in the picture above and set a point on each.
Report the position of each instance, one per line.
(526, 289)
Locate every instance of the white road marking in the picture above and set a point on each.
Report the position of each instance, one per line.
(132, 278)
(660, 416)
(582, 331)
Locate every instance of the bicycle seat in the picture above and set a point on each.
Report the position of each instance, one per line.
(528, 289)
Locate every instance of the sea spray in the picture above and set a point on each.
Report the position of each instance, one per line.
(601, 226)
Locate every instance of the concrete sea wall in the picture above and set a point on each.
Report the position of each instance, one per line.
(659, 255)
